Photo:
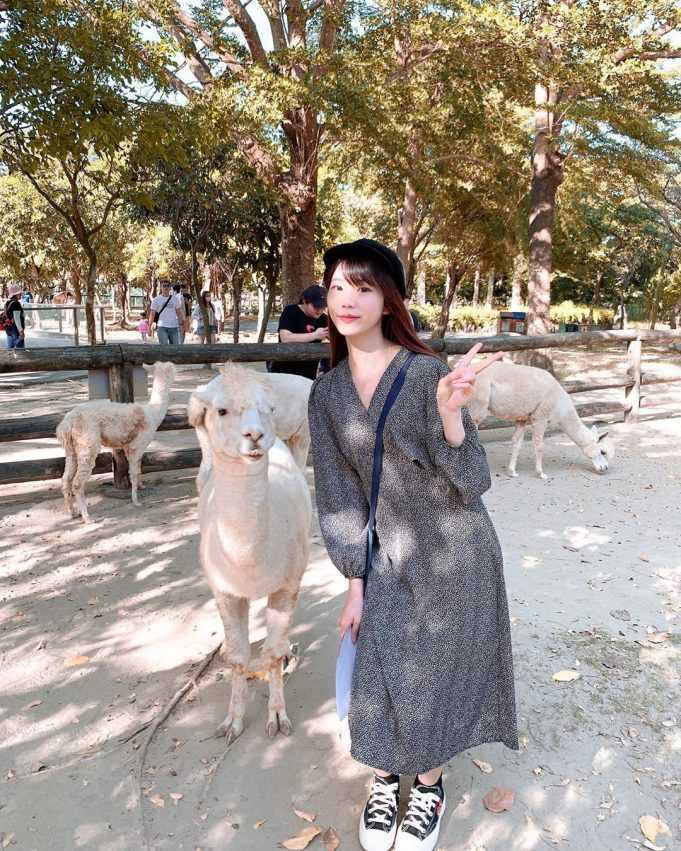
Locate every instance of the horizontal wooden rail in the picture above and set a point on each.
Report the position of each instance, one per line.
(13, 472)
(103, 356)
(44, 426)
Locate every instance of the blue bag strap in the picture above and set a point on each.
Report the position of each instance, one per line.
(378, 457)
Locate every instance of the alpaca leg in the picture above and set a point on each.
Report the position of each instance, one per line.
(538, 429)
(234, 613)
(86, 461)
(517, 442)
(280, 608)
(135, 470)
(70, 467)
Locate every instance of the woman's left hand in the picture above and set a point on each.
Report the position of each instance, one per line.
(456, 389)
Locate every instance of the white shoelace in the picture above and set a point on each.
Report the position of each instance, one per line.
(420, 809)
(381, 797)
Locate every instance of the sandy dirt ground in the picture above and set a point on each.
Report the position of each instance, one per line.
(101, 625)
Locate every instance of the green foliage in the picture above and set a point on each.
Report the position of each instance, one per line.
(569, 312)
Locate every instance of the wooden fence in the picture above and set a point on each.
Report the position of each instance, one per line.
(120, 359)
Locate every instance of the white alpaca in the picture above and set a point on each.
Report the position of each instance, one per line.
(289, 395)
(115, 425)
(526, 396)
(254, 517)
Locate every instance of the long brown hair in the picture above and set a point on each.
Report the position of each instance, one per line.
(396, 325)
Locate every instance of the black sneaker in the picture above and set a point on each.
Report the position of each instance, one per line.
(420, 826)
(378, 822)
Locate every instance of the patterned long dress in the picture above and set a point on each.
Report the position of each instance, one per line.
(434, 668)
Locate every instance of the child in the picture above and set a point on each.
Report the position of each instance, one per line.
(143, 327)
(433, 672)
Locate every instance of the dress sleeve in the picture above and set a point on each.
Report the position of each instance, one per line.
(341, 504)
(465, 466)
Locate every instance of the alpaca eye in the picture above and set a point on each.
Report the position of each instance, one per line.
(222, 412)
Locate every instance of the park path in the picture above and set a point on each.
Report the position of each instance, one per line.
(99, 626)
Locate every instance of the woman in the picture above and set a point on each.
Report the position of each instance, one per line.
(197, 318)
(304, 322)
(433, 673)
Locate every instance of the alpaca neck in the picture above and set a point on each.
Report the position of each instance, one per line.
(241, 504)
(574, 427)
(158, 401)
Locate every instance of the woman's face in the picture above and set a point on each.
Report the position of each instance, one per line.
(354, 310)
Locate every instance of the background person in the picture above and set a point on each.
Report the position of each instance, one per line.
(304, 322)
(15, 331)
(166, 315)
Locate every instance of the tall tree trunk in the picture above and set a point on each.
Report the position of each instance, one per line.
(517, 281)
(476, 288)
(406, 228)
(421, 288)
(90, 298)
(237, 287)
(547, 175)
(75, 277)
(298, 216)
(489, 299)
(122, 296)
(453, 281)
(196, 289)
(655, 302)
(596, 300)
(269, 304)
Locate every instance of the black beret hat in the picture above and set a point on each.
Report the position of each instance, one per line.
(363, 249)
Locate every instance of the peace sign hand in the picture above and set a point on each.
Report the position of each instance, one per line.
(456, 389)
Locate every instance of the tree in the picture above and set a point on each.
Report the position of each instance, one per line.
(599, 87)
(68, 121)
(270, 102)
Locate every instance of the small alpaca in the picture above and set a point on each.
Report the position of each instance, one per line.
(289, 395)
(254, 516)
(116, 425)
(526, 396)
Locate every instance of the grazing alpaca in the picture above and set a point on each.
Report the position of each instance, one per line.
(116, 425)
(289, 395)
(254, 516)
(526, 396)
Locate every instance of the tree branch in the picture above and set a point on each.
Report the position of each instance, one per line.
(635, 52)
(245, 23)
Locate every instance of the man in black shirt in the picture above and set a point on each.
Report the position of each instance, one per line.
(304, 322)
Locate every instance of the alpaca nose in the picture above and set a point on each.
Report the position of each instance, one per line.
(253, 432)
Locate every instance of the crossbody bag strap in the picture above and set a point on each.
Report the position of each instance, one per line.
(378, 457)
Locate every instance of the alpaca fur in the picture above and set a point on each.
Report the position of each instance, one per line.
(254, 517)
(289, 395)
(526, 396)
(116, 425)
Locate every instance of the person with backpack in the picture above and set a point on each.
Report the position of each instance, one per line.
(425, 669)
(13, 319)
(165, 313)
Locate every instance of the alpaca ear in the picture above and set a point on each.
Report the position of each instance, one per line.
(148, 367)
(196, 409)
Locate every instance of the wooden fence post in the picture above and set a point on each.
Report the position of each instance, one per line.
(76, 329)
(121, 389)
(632, 395)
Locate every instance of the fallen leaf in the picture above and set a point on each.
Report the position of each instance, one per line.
(330, 839)
(158, 800)
(301, 840)
(74, 661)
(497, 799)
(176, 797)
(34, 703)
(651, 826)
(651, 847)
(11, 774)
(305, 816)
(8, 839)
(259, 824)
(485, 767)
(644, 558)
(658, 637)
(621, 614)
(565, 676)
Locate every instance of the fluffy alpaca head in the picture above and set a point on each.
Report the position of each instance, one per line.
(163, 370)
(236, 413)
(600, 449)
